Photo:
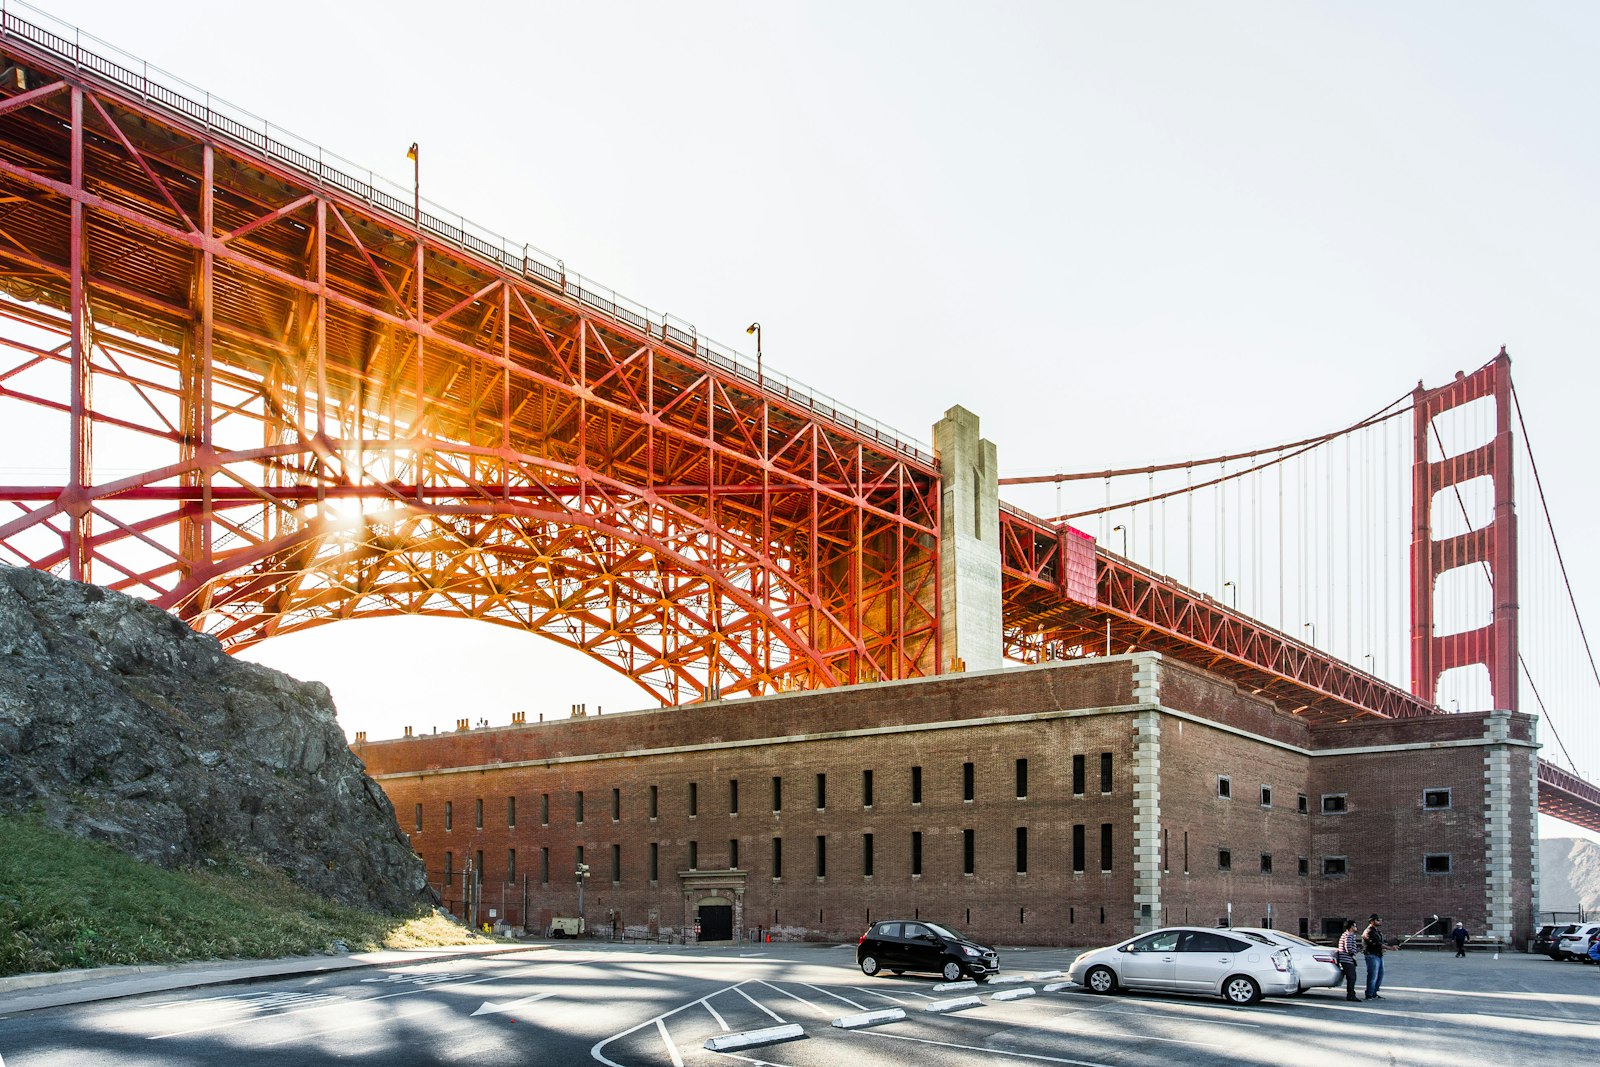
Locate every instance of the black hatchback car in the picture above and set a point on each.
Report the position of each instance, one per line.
(908, 945)
(1545, 940)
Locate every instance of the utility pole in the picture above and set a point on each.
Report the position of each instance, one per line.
(583, 875)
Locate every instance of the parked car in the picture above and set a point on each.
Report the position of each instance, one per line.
(1315, 964)
(901, 945)
(1545, 940)
(1554, 951)
(1190, 959)
(1575, 942)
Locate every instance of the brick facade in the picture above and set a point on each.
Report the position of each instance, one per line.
(1160, 844)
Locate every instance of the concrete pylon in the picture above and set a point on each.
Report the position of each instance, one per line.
(970, 620)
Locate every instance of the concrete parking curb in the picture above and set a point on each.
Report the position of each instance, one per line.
(870, 1018)
(752, 1038)
(954, 1004)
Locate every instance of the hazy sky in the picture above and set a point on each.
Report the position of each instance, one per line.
(1120, 233)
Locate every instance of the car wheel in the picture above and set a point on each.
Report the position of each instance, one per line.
(869, 965)
(952, 970)
(1101, 980)
(1241, 989)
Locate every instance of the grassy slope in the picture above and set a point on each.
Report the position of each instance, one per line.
(71, 903)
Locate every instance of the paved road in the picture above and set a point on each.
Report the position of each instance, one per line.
(656, 1007)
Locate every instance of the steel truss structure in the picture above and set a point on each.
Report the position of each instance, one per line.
(316, 410)
(266, 395)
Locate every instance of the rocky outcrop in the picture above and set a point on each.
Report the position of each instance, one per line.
(1569, 875)
(120, 723)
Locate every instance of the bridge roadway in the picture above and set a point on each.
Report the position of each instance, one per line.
(482, 405)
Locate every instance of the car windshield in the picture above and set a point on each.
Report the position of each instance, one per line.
(941, 931)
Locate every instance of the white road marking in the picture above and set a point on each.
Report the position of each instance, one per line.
(595, 1053)
(491, 1009)
(751, 955)
(1056, 1028)
(341, 1002)
(666, 1039)
(975, 1048)
(875, 993)
(835, 996)
(762, 1006)
(791, 996)
(714, 1015)
(381, 1020)
(1192, 1018)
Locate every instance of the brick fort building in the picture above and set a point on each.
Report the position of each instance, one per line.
(1066, 803)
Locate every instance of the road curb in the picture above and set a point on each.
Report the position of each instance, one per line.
(113, 983)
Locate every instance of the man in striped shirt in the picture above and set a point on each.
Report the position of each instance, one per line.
(1345, 955)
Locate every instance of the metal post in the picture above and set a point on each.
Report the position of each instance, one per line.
(583, 874)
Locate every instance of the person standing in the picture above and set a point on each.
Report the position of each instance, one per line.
(1345, 956)
(1372, 948)
(1459, 936)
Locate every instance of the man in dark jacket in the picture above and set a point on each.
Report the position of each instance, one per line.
(1372, 948)
(1459, 936)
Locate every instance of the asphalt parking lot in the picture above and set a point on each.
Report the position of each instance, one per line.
(1436, 1011)
(660, 1006)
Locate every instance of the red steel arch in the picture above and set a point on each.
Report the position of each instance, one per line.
(268, 396)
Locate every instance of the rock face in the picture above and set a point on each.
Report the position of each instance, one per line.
(120, 723)
(1569, 875)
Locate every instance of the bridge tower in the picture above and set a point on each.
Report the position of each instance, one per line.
(1492, 546)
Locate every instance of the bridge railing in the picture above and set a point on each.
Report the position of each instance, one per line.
(100, 59)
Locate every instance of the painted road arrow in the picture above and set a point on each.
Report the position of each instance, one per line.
(491, 1009)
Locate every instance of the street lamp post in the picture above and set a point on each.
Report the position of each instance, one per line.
(1234, 596)
(1124, 531)
(1312, 628)
(755, 328)
(415, 155)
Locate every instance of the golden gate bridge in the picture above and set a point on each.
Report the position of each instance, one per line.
(269, 390)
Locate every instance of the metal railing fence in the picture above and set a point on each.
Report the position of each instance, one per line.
(105, 61)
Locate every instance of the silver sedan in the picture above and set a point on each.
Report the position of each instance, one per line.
(1315, 964)
(1190, 959)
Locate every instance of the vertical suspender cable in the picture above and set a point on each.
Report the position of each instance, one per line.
(1279, 465)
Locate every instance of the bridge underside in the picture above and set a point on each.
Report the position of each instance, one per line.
(267, 398)
(267, 395)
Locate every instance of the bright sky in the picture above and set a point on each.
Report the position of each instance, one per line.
(1120, 233)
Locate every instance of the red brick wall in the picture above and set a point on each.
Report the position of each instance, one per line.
(939, 725)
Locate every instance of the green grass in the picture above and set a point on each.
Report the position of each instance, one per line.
(66, 903)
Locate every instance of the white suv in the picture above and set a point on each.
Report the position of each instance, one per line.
(1574, 945)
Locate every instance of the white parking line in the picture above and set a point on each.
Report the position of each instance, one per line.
(1195, 1017)
(978, 1048)
(666, 1039)
(717, 1017)
(776, 1017)
(835, 996)
(1086, 1032)
(875, 993)
(658, 1021)
(802, 1000)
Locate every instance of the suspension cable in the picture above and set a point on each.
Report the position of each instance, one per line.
(1561, 561)
(1383, 414)
(1297, 448)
